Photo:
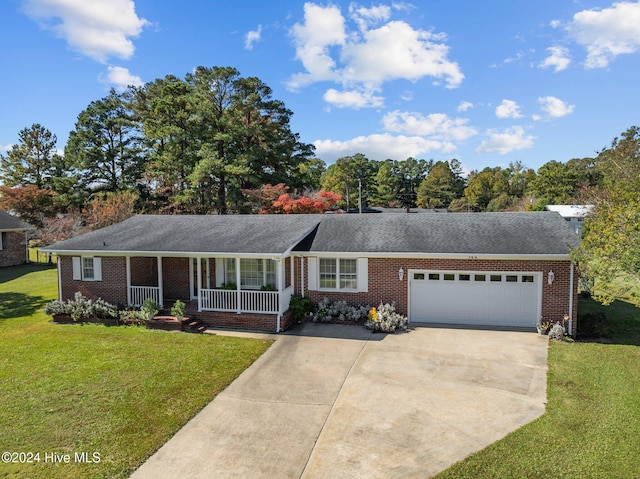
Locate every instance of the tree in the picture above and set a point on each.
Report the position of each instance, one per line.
(560, 183)
(105, 146)
(352, 178)
(387, 184)
(109, 208)
(440, 187)
(30, 203)
(610, 251)
(30, 161)
(410, 173)
(317, 203)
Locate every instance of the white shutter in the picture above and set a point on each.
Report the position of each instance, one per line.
(363, 275)
(220, 272)
(77, 271)
(97, 269)
(312, 273)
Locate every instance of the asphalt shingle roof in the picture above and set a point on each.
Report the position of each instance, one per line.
(534, 233)
(8, 222)
(442, 233)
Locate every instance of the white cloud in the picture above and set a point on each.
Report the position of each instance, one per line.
(508, 109)
(380, 147)
(607, 33)
(121, 78)
(252, 37)
(506, 141)
(367, 56)
(558, 59)
(436, 125)
(96, 28)
(465, 106)
(555, 107)
(5, 148)
(353, 99)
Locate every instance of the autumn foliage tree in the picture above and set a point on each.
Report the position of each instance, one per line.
(31, 203)
(109, 208)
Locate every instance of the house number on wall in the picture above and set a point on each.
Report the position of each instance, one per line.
(473, 257)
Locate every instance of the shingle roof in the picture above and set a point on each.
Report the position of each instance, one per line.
(8, 222)
(249, 234)
(446, 233)
(531, 233)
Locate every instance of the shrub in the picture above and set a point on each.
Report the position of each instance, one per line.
(229, 286)
(268, 287)
(328, 310)
(178, 309)
(82, 308)
(300, 306)
(132, 316)
(386, 319)
(150, 308)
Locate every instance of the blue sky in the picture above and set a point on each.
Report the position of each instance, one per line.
(487, 83)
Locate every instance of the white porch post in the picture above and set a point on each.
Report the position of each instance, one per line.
(238, 293)
(128, 261)
(199, 272)
(160, 292)
(301, 275)
(292, 271)
(279, 271)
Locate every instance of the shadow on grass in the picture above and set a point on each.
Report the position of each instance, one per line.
(14, 272)
(622, 325)
(18, 305)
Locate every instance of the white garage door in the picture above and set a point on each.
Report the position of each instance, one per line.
(475, 297)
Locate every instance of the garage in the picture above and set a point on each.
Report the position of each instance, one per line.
(475, 297)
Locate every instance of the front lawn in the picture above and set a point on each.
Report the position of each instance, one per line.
(120, 392)
(591, 428)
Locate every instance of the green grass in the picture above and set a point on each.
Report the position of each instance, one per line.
(118, 391)
(591, 428)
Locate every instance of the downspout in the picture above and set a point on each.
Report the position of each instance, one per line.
(571, 300)
(59, 279)
(280, 266)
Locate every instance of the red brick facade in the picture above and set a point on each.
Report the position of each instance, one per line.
(15, 250)
(384, 285)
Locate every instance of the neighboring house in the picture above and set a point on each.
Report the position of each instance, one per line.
(573, 214)
(13, 241)
(495, 269)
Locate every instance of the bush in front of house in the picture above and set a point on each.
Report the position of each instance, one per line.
(339, 310)
(300, 306)
(386, 319)
(591, 324)
(81, 308)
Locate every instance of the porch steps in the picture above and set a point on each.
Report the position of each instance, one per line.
(193, 326)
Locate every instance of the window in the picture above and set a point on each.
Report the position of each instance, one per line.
(3, 242)
(527, 278)
(254, 272)
(87, 268)
(496, 278)
(338, 273)
(464, 277)
(480, 277)
(434, 276)
(449, 277)
(512, 278)
(418, 275)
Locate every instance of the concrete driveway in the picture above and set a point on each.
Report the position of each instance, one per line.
(331, 401)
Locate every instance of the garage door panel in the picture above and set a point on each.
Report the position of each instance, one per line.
(505, 302)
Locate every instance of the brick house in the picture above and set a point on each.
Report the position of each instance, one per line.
(13, 241)
(492, 269)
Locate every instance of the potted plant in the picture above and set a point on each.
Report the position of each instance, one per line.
(178, 309)
(150, 308)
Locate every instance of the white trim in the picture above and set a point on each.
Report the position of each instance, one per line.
(312, 273)
(301, 275)
(76, 264)
(238, 286)
(362, 272)
(59, 264)
(97, 268)
(571, 274)
(199, 282)
(166, 254)
(457, 256)
(160, 292)
(128, 268)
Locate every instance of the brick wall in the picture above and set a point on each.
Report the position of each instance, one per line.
(175, 278)
(16, 251)
(259, 322)
(384, 285)
(112, 288)
(144, 271)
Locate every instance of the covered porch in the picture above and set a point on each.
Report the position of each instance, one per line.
(238, 284)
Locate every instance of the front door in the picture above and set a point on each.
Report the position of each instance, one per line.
(193, 275)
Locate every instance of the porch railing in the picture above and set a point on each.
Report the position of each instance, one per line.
(250, 301)
(137, 294)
